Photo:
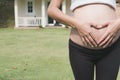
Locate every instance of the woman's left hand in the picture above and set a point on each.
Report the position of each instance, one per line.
(112, 29)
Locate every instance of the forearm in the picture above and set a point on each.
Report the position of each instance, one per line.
(58, 15)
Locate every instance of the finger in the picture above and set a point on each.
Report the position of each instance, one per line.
(88, 41)
(105, 40)
(112, 41)
(83, 40)
(92, 39)
(105, 24)
(109, 42)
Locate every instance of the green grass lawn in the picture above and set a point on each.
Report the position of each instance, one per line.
(34, 54)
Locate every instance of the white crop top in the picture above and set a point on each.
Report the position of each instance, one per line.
(77, 3)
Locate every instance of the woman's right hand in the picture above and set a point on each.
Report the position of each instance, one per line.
(86, 36)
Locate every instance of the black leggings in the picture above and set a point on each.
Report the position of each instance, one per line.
(106, 61)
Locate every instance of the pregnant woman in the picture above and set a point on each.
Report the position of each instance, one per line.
(94, 38)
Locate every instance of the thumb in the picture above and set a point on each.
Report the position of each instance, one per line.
(100, 26)
(105, 24)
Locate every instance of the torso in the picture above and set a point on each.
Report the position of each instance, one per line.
(95, 13)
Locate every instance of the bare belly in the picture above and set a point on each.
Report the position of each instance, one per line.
(95, 13)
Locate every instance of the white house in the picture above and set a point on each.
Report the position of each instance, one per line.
(34, 13)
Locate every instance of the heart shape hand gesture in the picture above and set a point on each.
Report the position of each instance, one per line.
(88, 39)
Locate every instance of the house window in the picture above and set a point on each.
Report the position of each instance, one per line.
(30, 7)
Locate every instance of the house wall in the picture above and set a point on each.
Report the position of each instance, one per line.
(23, 13)
(22, 9)
(38, 8)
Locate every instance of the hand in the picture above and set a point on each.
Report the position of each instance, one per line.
(112, 30)
(86, 35)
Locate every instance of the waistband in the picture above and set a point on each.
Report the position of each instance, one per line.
(90, 51)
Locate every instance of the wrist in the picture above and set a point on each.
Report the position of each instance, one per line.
(76, 23)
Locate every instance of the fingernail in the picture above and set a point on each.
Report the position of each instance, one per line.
(103, 46)
(91, 45)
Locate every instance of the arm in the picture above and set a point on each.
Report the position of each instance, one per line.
(57, 14)
(83, 28)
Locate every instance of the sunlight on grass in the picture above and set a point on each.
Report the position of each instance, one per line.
(35, 55)
(118, 78)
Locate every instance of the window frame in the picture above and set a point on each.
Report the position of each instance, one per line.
(26, 9)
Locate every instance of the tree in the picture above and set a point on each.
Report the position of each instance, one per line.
(6, 12)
